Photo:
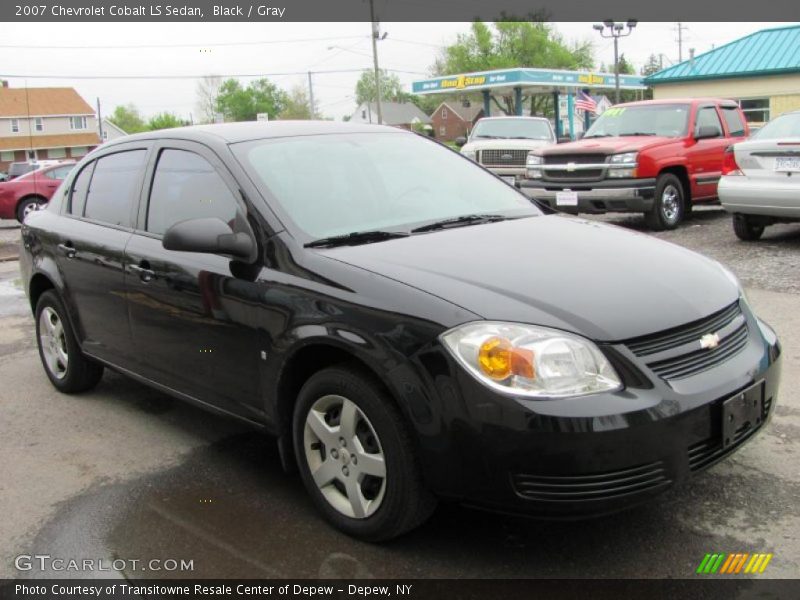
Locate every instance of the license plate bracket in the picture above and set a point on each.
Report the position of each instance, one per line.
(787, 164)
(741, 413)
(567, 198)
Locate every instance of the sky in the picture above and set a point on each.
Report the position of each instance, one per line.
(184, 52)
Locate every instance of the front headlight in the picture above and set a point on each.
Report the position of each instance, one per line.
(469, 154)
(623, 166)
(533, 166)
(526, 360)
(627, 158)
(533, 160)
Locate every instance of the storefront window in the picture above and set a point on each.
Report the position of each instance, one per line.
(756, 110)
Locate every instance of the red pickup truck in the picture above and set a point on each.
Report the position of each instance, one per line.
(657, 157)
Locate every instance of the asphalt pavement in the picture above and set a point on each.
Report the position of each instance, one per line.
(127, 472)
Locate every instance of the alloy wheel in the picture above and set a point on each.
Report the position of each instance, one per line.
(345, 456)
(53, 342)
(29, 208)
(670, 203)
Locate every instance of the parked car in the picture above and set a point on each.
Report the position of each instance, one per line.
(15, 169)
(31, 191)
(502, 144)
(761, 178)
(657, 157)
(407, 325)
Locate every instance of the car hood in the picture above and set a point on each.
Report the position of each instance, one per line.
(596, 280)
(505, 144)
(612, 145)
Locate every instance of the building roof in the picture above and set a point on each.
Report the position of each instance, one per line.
(107, 123)
(66, 140)
(765, 52)
(39, 102)
(394, 113)
(467, 113)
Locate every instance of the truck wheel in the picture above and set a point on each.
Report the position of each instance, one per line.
(356, 456)
(746, 228)
(669, 206)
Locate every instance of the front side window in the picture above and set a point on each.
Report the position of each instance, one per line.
(709, 119)
(186, 186)
(77, 194)
(114, 187)
(373, 181)
(665, 120)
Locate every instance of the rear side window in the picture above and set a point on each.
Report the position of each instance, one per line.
(77, 196)
(114, 186)
(733, 120)
(707, 117)
(186, 186)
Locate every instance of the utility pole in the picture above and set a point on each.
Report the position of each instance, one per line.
(311, 97)
(680, 29)
(99, 120)
(375, 37)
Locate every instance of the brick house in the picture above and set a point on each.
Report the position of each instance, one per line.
(454, 120)
(44, 123)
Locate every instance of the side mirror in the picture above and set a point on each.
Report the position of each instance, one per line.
(707, 132)
(210, 235)
(460, 141)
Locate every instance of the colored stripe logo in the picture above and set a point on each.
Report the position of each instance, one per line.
(733, 564)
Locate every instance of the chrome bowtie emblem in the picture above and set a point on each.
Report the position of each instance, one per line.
(709, 341)
(570, 166)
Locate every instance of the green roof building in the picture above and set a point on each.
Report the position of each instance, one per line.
(761, 71)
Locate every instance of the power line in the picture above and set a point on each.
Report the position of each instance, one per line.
(154, 77)
(196, 45)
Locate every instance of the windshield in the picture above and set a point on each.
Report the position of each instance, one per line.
(525, 129)
(785, 126)
(329, 185)
(667, 120)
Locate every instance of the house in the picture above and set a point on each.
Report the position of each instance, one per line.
(44, 123)
(453, 120)
(603, 103)
(111, 131)
(396, 114)
(761, 71)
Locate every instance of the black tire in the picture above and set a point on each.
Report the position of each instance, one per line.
(25, 205)
(746, 228)
(669, 204)
(404, 502)
(80, 373)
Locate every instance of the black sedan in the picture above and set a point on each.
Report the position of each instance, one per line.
(409, 326)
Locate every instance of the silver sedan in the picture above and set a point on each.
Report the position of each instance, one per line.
(761, 178)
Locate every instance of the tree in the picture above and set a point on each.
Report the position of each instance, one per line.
(391, 88)
(625, 68)
(207, 93)
(239, 103)
(165, 120)
(513, 44)
(128, 118)
(297, 105)
(653, 65)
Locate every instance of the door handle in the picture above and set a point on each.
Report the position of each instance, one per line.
(145, 274)
(67, 249)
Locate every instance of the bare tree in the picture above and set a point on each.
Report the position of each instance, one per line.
(207, 93)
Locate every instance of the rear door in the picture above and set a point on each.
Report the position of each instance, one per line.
(706, 155)
(90, 246)
(194, 323)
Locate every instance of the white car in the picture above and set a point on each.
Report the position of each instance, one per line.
(761, 178)
(501, 144)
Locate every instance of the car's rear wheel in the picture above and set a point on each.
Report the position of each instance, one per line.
(669, 206)
(28, 205)
(66, 366)
(356, 456)
(747, 228)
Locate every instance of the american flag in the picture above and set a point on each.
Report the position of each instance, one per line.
(584, 101)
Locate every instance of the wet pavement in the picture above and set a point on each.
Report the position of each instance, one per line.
(126, 472)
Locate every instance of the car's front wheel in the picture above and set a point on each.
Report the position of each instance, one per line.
(66, 366)
(746, 228)
(356, 456)
(28, 205)
(669, 206)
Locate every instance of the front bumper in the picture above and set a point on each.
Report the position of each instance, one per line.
(608, 195)
(580, 457)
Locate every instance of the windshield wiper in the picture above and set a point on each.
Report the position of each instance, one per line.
(586, 137)
(635, 133)
(491, 137)
(355, 238)
(459, 222)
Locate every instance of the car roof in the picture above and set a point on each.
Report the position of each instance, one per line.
(513, 117)
(722, 101)
(232, 133)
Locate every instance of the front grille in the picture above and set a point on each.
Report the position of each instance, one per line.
(577, 175)
(676, 353)
(593, 487)
(503, 158)
(578, 159)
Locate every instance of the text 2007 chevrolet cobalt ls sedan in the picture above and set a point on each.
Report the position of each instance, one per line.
(408, 325)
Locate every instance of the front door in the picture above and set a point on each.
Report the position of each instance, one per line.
(706, 155)
(193, 321)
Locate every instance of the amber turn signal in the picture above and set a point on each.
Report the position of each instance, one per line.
(499, 360)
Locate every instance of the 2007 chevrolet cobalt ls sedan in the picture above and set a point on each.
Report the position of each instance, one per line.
(408, 325)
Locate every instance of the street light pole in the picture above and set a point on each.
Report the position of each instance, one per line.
(375, 36)
(615, 30)
(311, 97)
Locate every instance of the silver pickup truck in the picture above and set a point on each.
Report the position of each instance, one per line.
(501, 144)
